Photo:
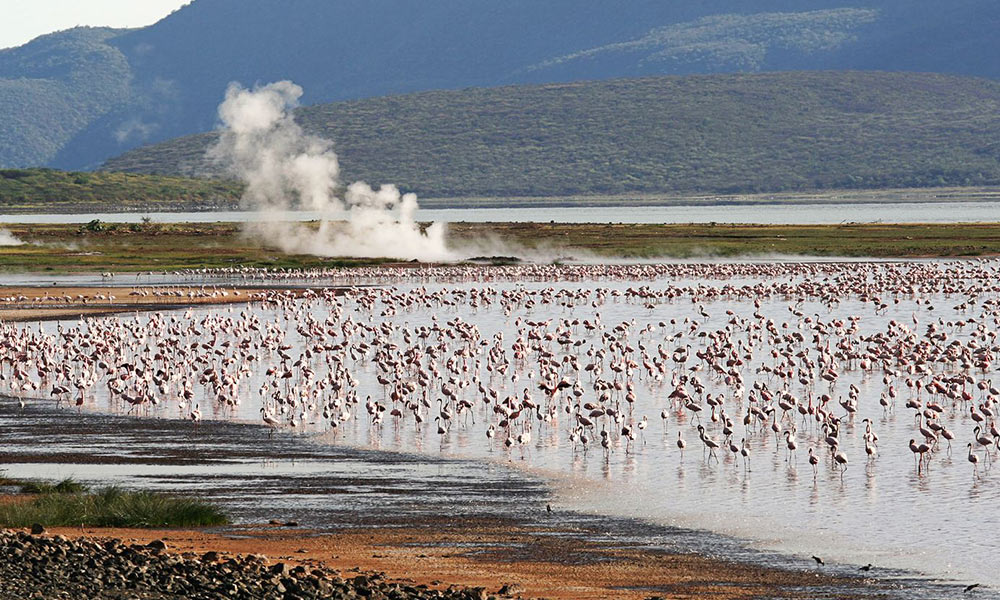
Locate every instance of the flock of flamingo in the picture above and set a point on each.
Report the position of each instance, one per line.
(737, 359)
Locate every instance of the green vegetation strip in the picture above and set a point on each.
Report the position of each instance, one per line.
(140, 247)
(97, 246)
(719, 240)
(27, 191)
(48, 190)
(70, 504)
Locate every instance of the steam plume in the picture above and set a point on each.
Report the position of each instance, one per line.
(9, 239)
(286, 169)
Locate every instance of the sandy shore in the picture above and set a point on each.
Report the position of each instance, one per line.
(531, 562)
(28, 303)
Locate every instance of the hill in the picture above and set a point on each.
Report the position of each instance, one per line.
(52, 89)
(711, 133)
(75, 98)
(46, 190)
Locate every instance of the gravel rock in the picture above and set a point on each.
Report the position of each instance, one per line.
(57, 567)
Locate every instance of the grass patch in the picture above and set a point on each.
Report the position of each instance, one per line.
(165, 247)
(66, 486)
(98, 246)
(26, 190)
(109, 507)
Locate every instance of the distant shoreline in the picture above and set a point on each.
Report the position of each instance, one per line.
(888, 196)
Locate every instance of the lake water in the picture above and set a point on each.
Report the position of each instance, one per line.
(882, 511)
(328, 487)
(911, 212)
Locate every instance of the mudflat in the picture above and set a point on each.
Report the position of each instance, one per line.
(534, 562)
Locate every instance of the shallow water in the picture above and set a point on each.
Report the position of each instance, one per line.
(259, 477)
(884, 512)
(805, 214)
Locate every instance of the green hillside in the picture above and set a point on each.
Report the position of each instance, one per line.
(54, 88)
(46, 190)
(746, 133)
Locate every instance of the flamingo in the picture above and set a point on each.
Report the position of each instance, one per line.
(974, 459)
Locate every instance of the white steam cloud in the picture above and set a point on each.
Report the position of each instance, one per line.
(286, 169)
(9, 239)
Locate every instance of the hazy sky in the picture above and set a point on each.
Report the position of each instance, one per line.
(22, 20)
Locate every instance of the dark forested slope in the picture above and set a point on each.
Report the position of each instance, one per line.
(716, 133)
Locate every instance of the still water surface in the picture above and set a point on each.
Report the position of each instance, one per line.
(911, 212)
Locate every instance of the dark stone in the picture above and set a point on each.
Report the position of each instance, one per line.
(37, 529)
(476, 593)
(64, 568)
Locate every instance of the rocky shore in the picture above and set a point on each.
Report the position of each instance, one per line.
(41, 566)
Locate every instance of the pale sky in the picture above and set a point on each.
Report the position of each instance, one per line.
(23, 20)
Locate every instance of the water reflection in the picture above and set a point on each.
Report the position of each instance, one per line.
(883, 496)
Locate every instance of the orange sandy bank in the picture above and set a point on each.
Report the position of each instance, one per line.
(531, 562)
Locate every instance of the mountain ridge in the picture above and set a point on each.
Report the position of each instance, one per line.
(115, 90)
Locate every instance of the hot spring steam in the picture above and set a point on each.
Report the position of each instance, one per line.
(286, 169)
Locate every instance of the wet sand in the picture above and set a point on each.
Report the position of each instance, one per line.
(533, 562)
(29, 303)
